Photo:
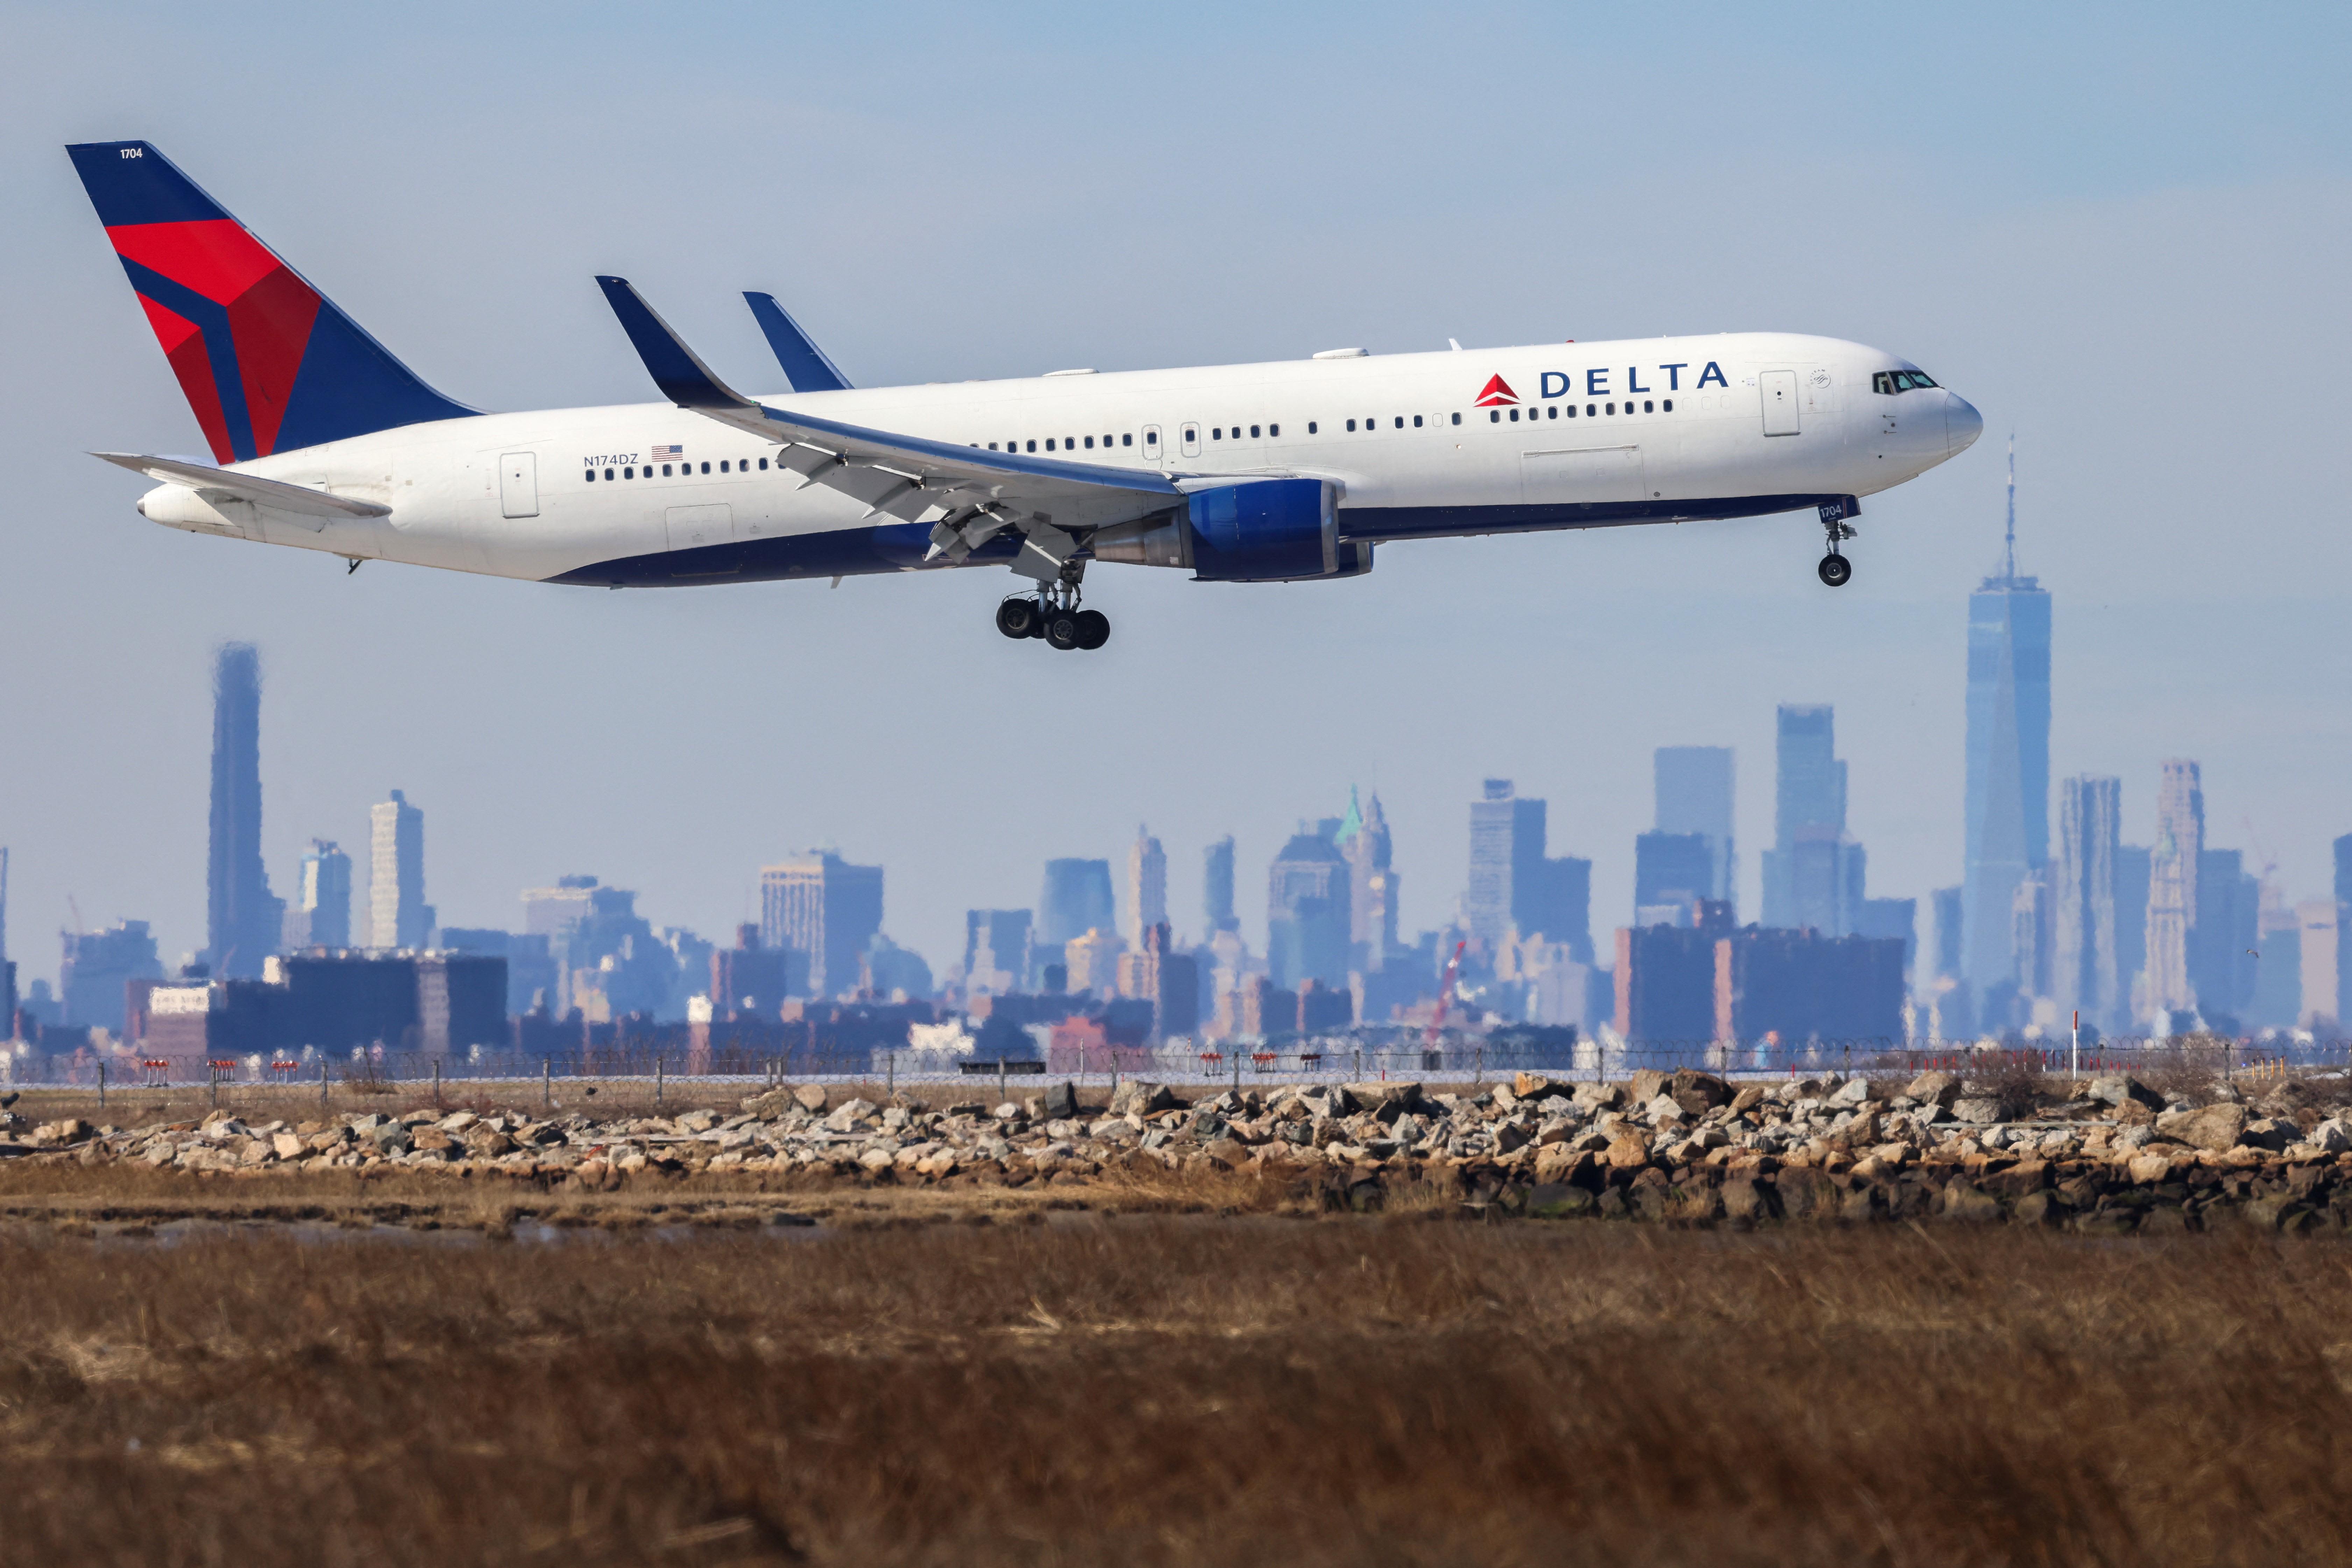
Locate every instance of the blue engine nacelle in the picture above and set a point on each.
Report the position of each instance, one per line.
(1260, 531)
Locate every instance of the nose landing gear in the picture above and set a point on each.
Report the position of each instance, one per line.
(1054, 615)
(1836, 570)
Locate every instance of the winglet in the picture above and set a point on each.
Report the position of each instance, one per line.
(684, 379)
(804, 364)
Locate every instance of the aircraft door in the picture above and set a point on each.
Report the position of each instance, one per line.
(1780, 389)
(1191, 440)
(518, 484)
(1153, 450)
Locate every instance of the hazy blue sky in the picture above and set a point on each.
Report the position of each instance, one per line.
(2120, 231)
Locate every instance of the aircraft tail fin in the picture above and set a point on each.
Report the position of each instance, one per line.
(805, 365)
(267, 363)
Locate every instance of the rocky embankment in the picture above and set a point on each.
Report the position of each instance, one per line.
(2103, 1154)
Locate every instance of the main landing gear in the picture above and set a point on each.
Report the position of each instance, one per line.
(1054, 615)
(1835, 569)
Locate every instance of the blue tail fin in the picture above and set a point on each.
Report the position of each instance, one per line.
(268, 363)
(804, 364)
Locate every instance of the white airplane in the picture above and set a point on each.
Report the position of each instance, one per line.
(1286, 471)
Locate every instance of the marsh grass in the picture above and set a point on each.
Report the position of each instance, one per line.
(1245, 1389)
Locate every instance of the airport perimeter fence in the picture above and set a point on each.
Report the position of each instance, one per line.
(1456, 1062)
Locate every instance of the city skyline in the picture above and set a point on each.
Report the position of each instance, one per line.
(548, 731)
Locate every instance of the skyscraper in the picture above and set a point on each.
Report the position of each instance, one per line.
(2008, 784)
(243, 920)
(821, 905)
(1515, 888)
(1075, 900)
(2224, 935)
(1217, 887)
(1363, 840)
(1147, 888)
(2085, 971)
(398, 915)
(1814, 874)
(321, 916)
(1672, 871)
(2172, 887)
(996, 950)
(1307, 904)
(1694, 790)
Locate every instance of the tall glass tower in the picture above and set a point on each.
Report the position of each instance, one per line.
(2009, 756)
(242, 918)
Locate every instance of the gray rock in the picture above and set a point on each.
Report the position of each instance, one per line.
(1665, 1108)
(1977, 1112)
(848, 1115)
(1136, 1097)
(1937, 1089)
(2120, 1089)
(1062, 1102)
(2333, 1136)
(1853, 1091)
(2271, 1132)
(2216, 1128)
(1591, 1097)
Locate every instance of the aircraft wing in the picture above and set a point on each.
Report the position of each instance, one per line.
(806, 365)
(973, 494)
(224, 484)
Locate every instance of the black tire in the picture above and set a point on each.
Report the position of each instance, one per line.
(1062, 630)
(1094, 629)
(1017, 617)
(1834, 570)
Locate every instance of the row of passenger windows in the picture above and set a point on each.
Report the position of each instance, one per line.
(1591, 410)
(1216, 433)
(725, 466)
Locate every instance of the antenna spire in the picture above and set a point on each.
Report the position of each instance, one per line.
(2008, 562)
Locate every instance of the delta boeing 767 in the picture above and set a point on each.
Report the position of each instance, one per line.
(1281, 472)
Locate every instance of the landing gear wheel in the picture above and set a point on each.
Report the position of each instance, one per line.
(1094, 629)
(1061, 629)
(1835, 569)
(1018, 617)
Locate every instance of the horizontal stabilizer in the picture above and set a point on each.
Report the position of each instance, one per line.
(276, 494)
(804, 364)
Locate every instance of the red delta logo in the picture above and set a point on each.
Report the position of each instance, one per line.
(1497, 393)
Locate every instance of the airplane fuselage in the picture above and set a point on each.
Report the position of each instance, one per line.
(1419, 446)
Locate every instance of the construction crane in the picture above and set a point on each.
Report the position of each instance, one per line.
(1445, 993)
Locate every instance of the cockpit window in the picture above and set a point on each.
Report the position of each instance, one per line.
(1893, 381)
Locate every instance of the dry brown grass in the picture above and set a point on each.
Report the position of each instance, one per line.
(1164, 1390)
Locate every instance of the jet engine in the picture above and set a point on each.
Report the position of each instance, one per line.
(1259, 530)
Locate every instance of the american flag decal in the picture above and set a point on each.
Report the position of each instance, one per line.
(660, 452)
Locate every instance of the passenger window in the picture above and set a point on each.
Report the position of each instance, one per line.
(1274, 430)
(1551, 410)
(1668, 405)
(1416, 421)
(628, 473)
(1351, 425)
(706, 467)
(1515, 416)
(1493, 416)
(1646, 407)
(1090, 443)
(1151, 437)
(1609, 408)
(1311, 427)
(722, 465)
(1457, 419)
(1253, 432)
(1127, 439)
(592, 475)
(608, 474)
(665, 470)
(1049, 443)
(1217, 433)
(1589, 411)
(1571, 411)
(763, 465)
(1033, 446)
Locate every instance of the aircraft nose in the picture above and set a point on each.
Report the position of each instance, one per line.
(1962, 423)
